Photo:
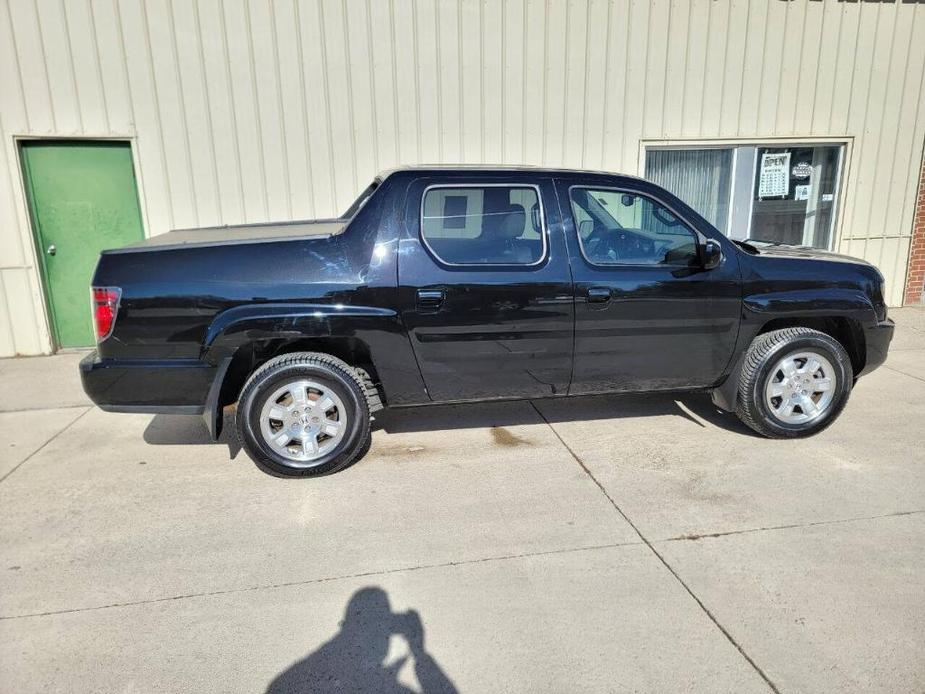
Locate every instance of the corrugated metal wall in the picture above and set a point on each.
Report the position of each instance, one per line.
(249, 111)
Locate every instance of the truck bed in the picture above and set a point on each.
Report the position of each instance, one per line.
(242, 233)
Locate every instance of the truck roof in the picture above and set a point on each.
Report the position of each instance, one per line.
(497, 168)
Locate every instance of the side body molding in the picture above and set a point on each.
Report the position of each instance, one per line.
(240, 325)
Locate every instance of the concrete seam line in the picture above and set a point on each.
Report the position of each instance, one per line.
(658, 555)
(29, 457)
(46, 409)
(323, 579)
(693, 537)
(897, 371)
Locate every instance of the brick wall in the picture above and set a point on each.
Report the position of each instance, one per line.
(916, 275)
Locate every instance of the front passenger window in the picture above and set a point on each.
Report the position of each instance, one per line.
(619, 228)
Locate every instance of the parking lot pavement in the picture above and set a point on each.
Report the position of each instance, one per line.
(830, 607)
(24, 433)
(38, 383)
(637, 543)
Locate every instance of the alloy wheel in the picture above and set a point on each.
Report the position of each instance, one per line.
(800, 388)
(303, 421)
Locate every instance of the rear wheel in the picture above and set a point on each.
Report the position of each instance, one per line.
(304, 415)
(794, 382)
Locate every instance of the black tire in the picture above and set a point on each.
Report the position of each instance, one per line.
(760, 360)
(323, 369)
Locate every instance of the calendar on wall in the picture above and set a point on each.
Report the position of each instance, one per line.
(774, 180)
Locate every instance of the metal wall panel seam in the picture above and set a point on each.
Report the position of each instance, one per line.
(94, 40)
(171, 25)
(417, 78)
(41, 37)
(129, 99)
(281, 120)
(796, 96)
(233, 111)
(70, 61)
(704, 68)
(255, 97)
(210, 126)
(374, 114)
(157, 114)
(349, 93)
(879, 140)
(523, 71)
(17, 69)
(303, 105)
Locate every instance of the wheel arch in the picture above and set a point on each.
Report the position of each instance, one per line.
(297, 372)
(769, 351)
(240, 340)
(845, 329)
(839, 313)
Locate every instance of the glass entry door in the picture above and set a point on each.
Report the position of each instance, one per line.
(793, 199)
(782, 194)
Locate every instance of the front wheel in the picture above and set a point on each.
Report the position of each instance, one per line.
(794, 382)
(304, 415)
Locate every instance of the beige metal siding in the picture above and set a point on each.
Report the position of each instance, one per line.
(251, 111)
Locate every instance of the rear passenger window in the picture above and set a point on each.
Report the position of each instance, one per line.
(484, 225)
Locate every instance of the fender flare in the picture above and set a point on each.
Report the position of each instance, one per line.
(243, 325)
(826, 302)
(760, 309)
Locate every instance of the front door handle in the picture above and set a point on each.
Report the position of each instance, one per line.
(598, 295)
(52, 249)
(430, 299)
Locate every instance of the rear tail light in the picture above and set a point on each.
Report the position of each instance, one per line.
(105, 306)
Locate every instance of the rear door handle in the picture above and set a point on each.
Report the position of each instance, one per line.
(430, 299)
(598, 295)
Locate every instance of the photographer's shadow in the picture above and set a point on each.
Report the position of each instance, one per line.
(353, 660)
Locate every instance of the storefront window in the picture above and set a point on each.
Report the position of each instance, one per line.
(700, 177)
(782, 194)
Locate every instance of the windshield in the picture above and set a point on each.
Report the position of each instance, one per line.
(360, 201)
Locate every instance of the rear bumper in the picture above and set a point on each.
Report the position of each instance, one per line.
(172, 386)
(877, 340)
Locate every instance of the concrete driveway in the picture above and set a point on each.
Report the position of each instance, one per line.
(597, 544)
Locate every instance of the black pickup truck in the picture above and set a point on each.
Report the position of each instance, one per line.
(466, 284)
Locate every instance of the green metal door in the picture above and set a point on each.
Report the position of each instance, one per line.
(83, 199)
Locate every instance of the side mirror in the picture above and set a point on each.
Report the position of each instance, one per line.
(711, 254)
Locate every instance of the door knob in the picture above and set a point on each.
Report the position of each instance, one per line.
(430, 300)
(51, 250)
(598, 295)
